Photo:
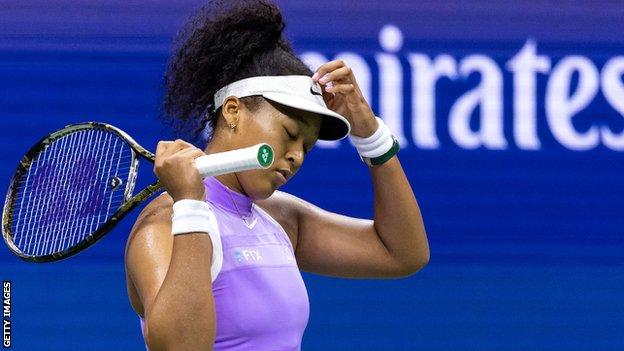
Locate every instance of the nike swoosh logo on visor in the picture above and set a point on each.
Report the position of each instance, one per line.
(314, 92)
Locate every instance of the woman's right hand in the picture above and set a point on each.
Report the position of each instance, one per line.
(175, 168)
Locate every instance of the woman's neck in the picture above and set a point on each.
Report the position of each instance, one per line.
(229, 179)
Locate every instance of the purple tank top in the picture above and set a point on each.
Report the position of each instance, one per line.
(260, 299)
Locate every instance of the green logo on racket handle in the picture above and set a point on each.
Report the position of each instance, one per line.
(265, 156)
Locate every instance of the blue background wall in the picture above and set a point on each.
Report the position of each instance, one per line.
(527, 243)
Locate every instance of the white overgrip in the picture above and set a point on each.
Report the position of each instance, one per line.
(254, 157)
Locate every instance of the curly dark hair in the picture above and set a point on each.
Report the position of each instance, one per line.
(226, 41)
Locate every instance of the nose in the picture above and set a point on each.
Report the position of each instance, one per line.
(295, 158)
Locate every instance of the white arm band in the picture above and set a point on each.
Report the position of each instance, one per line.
(375, 145)
(193, 216)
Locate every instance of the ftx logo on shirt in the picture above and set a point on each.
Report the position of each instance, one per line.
(247, 255)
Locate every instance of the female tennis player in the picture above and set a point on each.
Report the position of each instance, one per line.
(215, 263)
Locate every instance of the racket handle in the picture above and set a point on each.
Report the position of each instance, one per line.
(259, 156)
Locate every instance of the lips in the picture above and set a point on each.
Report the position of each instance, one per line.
(282, 176)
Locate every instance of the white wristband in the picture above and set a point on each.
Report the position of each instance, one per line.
(194, 216)
(375, 145)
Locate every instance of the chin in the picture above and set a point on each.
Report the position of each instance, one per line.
(258, 184)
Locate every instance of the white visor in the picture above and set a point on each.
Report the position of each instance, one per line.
(299, 92)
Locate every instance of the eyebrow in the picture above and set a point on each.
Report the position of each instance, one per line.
(303, 120)
(298, 115)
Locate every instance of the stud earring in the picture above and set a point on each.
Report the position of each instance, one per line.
(232, 126)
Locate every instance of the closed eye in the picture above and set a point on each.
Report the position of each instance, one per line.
(295, 136)
(290, 135)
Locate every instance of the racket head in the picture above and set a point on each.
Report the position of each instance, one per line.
(68, 190)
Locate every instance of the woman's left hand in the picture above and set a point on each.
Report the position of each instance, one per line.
(343, 95)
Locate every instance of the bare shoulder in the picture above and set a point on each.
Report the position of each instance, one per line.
(148, 252)
(157, 212)
(286, 209)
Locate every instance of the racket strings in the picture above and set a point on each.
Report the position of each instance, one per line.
(66, 158)
(125, 165)
(67, 192)
(43, 174)
(53, 216)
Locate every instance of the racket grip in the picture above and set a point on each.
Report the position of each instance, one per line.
(259, 156)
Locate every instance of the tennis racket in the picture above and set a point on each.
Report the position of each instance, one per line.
(76, 184)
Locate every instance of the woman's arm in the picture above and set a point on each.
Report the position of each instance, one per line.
(172, 273)
(398, 221)
(394, 244)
